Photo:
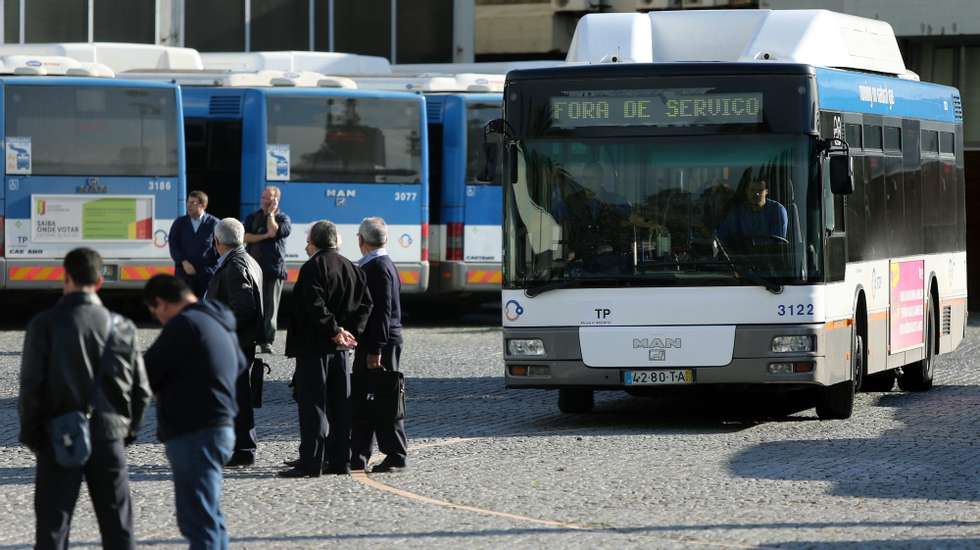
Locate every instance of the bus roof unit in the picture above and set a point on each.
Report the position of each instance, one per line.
(813, 37)
(463, 82)
(295, 61)
(246, 79)
(116, 56)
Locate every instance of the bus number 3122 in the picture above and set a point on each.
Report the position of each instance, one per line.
(794, 309)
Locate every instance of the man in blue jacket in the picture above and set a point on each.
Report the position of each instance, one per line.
(191, 244)
(193, 366)
(379, 347)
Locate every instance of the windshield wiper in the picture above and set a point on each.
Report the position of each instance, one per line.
(747, 274)
(533, 291)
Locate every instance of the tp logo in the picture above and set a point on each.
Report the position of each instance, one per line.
(513, 310)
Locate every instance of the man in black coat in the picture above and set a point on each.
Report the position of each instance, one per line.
(193, 366)
(380, 347)
(191, 245)
(63, 351)
(237, 283)
(331, 303)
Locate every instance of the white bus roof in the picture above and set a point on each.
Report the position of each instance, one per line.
(814, 37)
(295, 61)
(463, 82)
(246, 79)
(116, 56)
(502, 67)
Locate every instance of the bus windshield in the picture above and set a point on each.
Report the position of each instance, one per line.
(95, 131)
(655, 211)
(348, 139)
(477, 116)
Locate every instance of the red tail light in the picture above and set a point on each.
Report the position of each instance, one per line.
(454, 242)
(425, 242)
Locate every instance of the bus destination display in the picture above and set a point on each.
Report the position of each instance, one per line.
(669, 108)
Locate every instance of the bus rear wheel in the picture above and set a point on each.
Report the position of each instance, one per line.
(837, 402)
(918, 376)
(575, 400)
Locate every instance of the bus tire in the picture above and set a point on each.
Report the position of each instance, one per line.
(575, 400)
(837, 402)
(918, 376)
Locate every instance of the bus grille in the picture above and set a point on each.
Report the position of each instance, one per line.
(958, 108)
(225, 105)
(947, 322)
(433, 110)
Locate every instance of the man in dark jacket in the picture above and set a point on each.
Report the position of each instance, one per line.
(237, 283)
(266, 230)
(191, 243)
(63, 351)
(380, 347)
(330, 304)
(193, 366)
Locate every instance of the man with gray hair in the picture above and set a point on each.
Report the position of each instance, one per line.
(331, 304)
(380, 347)
(237, 283)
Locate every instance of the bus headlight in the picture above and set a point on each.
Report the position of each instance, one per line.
(525, 347)
(792, 344)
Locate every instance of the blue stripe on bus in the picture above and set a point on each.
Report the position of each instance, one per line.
(484, 205)
(167, 203)
(886, 96)
(350, 203)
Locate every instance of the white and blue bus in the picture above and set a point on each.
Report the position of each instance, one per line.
(465, 213)
(764, 207)
(335, 152)
(89, 161)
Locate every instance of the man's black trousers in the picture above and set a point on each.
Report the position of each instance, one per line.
(245, 419)
(390, 435)
(56, 492)
(323, 398)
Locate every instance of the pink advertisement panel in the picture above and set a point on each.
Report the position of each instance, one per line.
(907, 306)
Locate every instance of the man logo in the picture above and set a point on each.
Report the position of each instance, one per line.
(658, 354)
(513, 310)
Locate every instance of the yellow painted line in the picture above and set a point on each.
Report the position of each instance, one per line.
(834, 325)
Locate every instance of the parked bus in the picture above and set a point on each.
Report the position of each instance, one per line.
(90, 160)
(336, 153)
(465, 213)
(763, 206)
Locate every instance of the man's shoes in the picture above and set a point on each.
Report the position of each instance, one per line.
(388, 467)
(239, 459)
(337, 470)
(297, 472)
(355, 466)
(293, 463)
(266, 348)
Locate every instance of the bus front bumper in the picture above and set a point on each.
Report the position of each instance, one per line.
(414, 276)
(468, 277)
(49, 274)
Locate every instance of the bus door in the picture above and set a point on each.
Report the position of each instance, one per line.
(344, 155)
(90, 162)
(213, 140)
(474, 237)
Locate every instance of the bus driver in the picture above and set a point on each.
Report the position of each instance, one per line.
(756, 216)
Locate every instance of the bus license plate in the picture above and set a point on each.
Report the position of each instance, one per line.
(658, 377)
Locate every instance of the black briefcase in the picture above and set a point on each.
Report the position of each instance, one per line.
(385, 395)
(257, 380)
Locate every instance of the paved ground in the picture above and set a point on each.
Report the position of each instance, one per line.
(493, 468)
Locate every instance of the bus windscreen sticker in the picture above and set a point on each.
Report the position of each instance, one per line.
(277, 162)
(907, 305)
(81, 218)
(18, 155)
(654, 108)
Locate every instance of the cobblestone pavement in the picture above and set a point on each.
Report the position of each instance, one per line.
(494, 467)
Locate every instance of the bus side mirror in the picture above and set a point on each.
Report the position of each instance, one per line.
(841, 174)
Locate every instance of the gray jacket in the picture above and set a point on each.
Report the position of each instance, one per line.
(62, 350)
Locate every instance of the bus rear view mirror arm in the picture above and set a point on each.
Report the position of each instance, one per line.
(841, 166)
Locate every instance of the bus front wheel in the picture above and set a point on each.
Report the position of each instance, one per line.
(837, 402)
(575, 400)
